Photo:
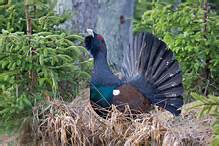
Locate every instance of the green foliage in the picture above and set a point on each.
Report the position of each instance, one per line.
(182, 29)
(13, 14)
(210, 106)
(142, 6)
(49, 62)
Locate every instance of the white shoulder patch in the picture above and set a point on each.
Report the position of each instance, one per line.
(116, 92)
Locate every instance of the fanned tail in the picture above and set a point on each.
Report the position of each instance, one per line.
(149, 65)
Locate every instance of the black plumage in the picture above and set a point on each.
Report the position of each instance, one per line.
(149, 73)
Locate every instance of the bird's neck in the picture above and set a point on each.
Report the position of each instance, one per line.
(101, 73)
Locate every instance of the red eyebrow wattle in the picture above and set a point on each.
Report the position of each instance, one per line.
(100, 37)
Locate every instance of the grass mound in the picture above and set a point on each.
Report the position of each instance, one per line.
(76, 123)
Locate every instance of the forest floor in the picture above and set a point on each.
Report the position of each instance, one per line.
(4, 139)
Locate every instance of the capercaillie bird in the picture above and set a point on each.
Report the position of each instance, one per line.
(150, 75)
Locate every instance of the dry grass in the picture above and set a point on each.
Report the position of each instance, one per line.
(76, 123)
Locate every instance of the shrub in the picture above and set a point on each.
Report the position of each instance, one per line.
(34, 64)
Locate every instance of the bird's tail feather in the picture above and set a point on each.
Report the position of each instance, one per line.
(149, 65)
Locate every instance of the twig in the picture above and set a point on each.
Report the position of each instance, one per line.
(206, 88)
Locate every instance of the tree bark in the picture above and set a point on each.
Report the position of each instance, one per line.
(206, 73)
(107, 18)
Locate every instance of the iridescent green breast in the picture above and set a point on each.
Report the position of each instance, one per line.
(101, 94)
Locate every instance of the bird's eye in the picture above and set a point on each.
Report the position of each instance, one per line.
(100, 38)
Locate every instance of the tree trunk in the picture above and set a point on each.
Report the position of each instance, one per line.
(106, 17)
(29, 32)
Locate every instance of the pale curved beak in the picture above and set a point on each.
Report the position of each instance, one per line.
(90, 32)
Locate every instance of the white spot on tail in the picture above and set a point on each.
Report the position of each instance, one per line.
(116, 92)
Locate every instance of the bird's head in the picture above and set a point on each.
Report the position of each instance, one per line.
(95, 43)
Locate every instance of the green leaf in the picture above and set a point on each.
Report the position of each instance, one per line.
(82, 48)
(5, 63)
(42, 81)
(73, 37)
(45, 52)
(4, 111)
(41, 59)
(41, 20)
(69, 42)
(201, 112)
(44, 33)
(45, 72)
(27, 101)
(194, 105)
(216, 99)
